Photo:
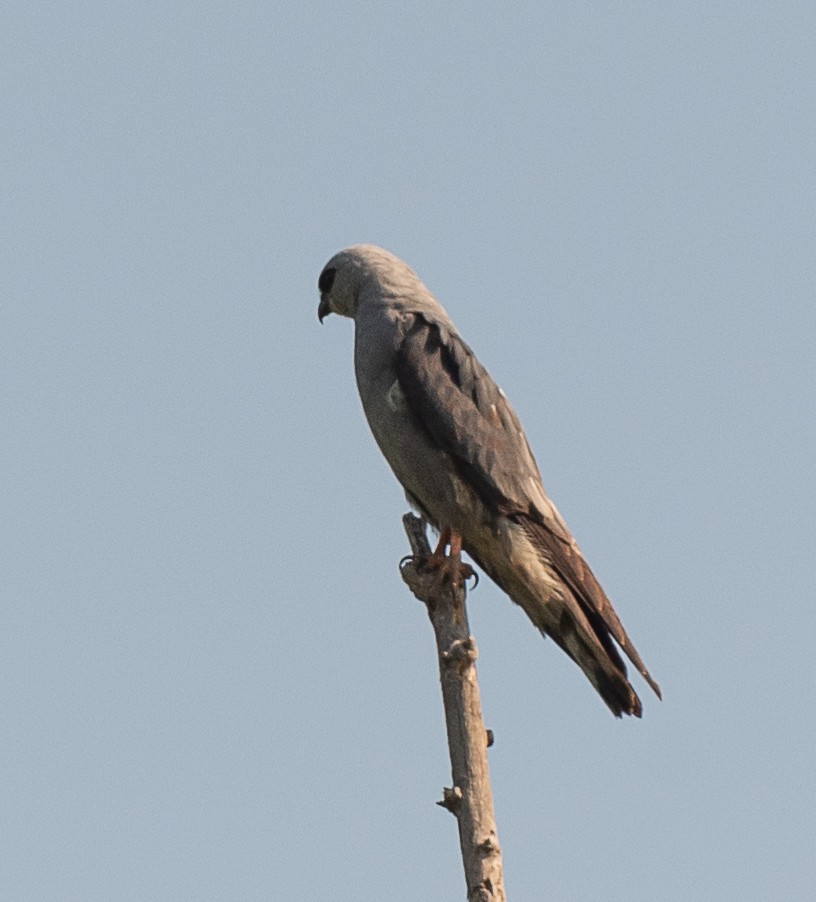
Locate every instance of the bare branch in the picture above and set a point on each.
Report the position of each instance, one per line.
(440, 584)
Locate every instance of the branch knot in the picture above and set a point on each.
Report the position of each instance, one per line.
(460, 653)
(451, 799)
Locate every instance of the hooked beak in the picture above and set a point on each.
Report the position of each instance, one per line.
(323, 310)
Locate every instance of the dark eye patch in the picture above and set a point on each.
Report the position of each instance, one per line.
(326, 280)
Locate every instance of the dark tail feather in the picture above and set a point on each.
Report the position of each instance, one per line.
(564, 558)
(602, 667)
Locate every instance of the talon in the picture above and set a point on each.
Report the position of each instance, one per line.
(449, 566)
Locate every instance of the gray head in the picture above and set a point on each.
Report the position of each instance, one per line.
(366, 271)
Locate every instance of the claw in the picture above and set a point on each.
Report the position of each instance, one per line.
(449, 565)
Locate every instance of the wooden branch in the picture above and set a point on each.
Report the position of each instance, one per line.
(442, 589)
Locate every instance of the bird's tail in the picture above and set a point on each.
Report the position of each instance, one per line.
(585, 626)
(604, 668)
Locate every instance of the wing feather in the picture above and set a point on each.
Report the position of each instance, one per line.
(469, 417)
(466, 413)
(568, 562)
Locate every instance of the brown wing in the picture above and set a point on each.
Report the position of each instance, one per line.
(469, 417)
(466, 413)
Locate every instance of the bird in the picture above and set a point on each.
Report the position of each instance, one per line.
(457, 447)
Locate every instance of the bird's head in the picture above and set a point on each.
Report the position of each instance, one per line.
(360, 269)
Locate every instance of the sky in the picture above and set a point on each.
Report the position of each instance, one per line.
(213, 683)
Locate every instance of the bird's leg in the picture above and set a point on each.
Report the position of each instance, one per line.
(450, 565)
(445, 537)
(463, 571)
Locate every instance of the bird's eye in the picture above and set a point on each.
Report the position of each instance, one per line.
(326, 280)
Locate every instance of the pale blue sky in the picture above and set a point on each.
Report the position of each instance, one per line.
(213, 684)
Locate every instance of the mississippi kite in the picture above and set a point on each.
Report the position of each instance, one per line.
(457, 446)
